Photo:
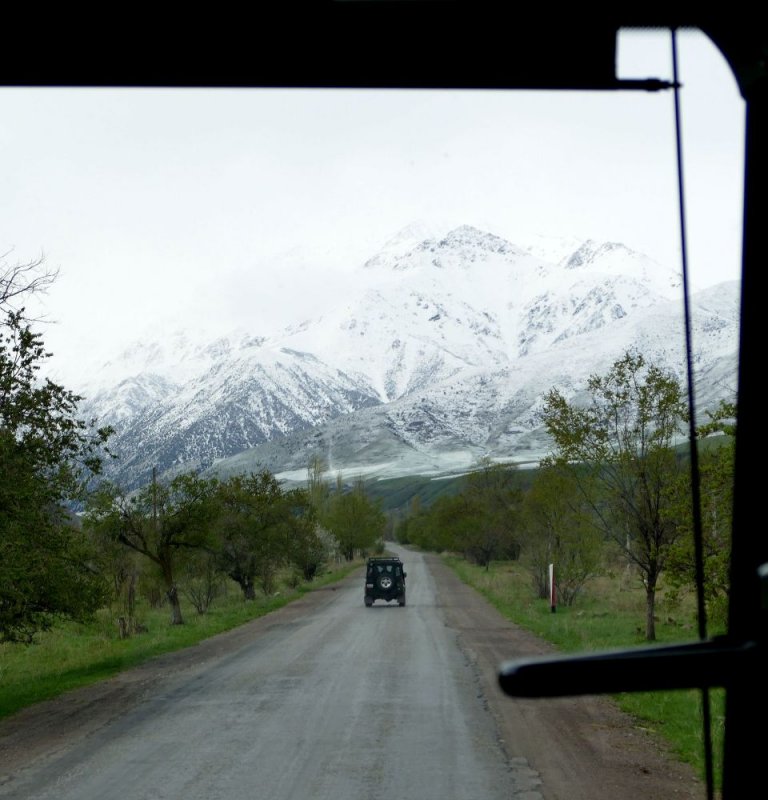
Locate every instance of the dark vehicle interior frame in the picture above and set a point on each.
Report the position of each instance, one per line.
(459, 44)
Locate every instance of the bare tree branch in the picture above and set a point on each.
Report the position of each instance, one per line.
(21, 280)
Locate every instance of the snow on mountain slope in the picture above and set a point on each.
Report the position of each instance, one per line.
(251, 394)
(442, 351)
(449, 426)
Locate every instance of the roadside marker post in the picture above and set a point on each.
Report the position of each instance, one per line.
(552, 590)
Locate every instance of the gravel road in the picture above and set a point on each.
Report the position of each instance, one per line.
(328, 699)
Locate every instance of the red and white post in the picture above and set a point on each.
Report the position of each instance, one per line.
(552, 589)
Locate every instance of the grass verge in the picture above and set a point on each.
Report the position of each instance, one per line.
(74, 655)
(610, 614)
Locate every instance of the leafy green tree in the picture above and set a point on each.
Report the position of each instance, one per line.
(122, 569)
(618, 447)
(442, 527)
(716, 475)
(320, 540)
(560, 530)
(160, 521)
(492, 501)
(480, 521)
(260, 528)
(249, 513)
(317, 487)
(201, 580)
(309, 545)
(354, 519)
(405, 521)
(402, 528)
(47, 456)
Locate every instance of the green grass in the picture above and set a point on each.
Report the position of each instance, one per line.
(74, 655)
(399, 493)
(609, 615)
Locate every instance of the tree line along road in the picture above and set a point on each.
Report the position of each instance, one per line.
(326, 698)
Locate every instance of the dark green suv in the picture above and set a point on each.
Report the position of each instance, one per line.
(384, 580)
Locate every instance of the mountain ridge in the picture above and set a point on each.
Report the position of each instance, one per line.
(440, 358)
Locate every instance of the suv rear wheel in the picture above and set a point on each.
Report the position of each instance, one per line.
(384, 580)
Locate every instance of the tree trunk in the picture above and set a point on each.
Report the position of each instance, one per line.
(267, 581)
(130, 602)
(650, 611)
(171, 590)
(173, 598)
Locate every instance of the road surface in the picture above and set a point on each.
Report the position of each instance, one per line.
(328, 699)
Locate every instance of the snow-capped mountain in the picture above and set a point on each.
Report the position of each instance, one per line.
(442, 356)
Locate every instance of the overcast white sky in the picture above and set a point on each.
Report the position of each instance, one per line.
(177, 206)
